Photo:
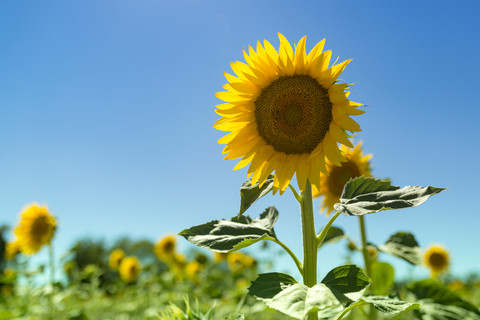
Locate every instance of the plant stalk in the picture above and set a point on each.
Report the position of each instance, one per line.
(367, 261)
(309, 241)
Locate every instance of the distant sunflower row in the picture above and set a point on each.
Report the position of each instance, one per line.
(165, 250)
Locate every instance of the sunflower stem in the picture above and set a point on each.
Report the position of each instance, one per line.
(295, 193)
(324, 232)
(309, 241)
(366, 259)
(292, 255)
(52, 278)
(52, 264)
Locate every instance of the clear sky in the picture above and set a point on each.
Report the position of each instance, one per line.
(107, 107)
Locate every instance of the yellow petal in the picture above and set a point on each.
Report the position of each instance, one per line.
(300, 56)
(339, 135)
(302, 171)
(228, 96)
(347, 123)
(331, 150)
(242, 150)
(316, 51)
(244, 162)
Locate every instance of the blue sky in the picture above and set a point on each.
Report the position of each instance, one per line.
(107, 110)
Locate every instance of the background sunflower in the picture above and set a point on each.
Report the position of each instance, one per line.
(331, 184)
(35, 229)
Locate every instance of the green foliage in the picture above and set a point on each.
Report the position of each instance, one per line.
(403, 245)
(249, 194)
(341, 286)
(440, 303)
(368, 195)
(233, 234)
(382, 276)
(333, 235)
(389, 305)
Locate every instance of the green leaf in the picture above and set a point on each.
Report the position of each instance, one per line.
(389, 305)
(435, 292)
(403, 245)
(383, 277)
(348, 280)
(368, 195)
(436, 311)
(249, 194)
(294, 299)
(268, 285)
(333, 235)
(341, 286)
(230, 235)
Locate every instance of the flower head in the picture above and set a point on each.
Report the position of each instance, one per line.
(129, 269)
(331, 184)
(115, 258)
(36, 228)
(165, 248)
(12, 248)
(437, 259)
(193, 268)
(238, 261)
(286, 113)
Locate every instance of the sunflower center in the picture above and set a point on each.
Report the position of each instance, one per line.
(293, 114)
(438, 260)
(339, 176)
(169, 247)
(39, 228)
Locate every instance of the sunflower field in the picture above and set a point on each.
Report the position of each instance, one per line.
(288, 119)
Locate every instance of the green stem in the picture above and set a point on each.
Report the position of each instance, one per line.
(52, 279)
(294, 257)
(295, 193)
(309, 241)
(324, 232)
(348, 309)
(52, 264)
(366, 259)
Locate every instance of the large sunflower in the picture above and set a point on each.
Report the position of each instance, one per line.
(286, 113)
(332, 183)
(36, 228)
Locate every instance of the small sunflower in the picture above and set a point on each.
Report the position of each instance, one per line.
(193, 268)
(332, 183)
(286, 113)
(238, 261)
(12, 249)
(165, 248)
(36, 228)
(129, 269)
(220, 256)
(437, 259)
(115, 258)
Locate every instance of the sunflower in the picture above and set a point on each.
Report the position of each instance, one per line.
(238, 261)
(285, 112)
(12, 248)
(129, 269)
(193, 268)
(36, 228)
(165, 248)
(332, 183)
(437, 259)
(115, 258)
